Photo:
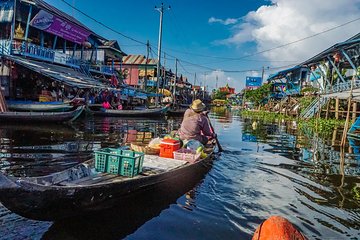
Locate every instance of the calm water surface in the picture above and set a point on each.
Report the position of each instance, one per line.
(266, 169)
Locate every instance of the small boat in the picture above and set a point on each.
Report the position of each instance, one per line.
(146, 112)
(29, 106)
(41, 116)
(176, 111)
(277, 227)
(81, 190)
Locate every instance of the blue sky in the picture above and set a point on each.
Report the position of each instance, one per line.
(204, 34)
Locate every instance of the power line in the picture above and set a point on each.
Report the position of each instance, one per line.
(271, 49)
(102, 24)
(225, 58)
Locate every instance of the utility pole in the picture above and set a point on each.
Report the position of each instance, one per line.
(161, 10)
(262, 74)
(164, 83)
(146, 63)
(194, 88)
(216, 83)
(204, 86)
(174, 86)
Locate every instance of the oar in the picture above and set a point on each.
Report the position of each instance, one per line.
(216, 139)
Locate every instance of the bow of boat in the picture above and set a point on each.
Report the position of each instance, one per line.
(6, 182)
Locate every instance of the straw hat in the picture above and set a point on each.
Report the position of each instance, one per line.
(197, 105)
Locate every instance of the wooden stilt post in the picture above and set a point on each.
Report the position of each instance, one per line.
(337, 108)
(333, 140)
(346, 126)
(354, 112)
(327, 108)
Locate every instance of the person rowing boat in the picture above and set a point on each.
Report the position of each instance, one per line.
(195, 124)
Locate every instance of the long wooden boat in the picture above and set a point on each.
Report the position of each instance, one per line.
(38, 106)
(176, 111)
(148, 112)
(81, 190)
(41, 116)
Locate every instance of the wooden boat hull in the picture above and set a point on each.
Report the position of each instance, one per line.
(158, 112)
(52, 202)
(41, 116)
(176, 112)
(38, 107)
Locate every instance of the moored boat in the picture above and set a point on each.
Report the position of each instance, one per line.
(146, 112)
(29, 106)
(49, 117)
(176, 111)
(81, 190)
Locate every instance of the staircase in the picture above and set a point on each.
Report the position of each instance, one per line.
(85, 69)
(313, 108)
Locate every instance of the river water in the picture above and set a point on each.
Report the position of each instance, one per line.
(266, 169)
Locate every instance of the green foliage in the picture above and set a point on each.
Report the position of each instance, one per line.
(356, 192)
(324, 127)
(305, 102)
(309, 89)
(265, 116)
(220, 95)
(257, 95)
(319, 125)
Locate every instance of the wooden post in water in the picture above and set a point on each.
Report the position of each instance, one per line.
(354, 112)
(327, 109)
(337, 108)
(346, 126)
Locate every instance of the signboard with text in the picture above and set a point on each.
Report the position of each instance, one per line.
(253, 82)
(59, 27)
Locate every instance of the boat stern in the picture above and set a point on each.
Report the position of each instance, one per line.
(6, 183)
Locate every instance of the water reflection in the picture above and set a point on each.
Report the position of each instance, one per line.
(267, 168)
(325, 174)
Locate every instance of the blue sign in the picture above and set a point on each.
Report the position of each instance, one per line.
(253, 81)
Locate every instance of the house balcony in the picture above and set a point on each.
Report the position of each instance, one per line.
(341, 87)
(103, 69)
(26, 49)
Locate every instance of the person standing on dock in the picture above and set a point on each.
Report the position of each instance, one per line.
(195, 124)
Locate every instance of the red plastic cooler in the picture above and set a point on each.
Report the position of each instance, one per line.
(168, 146)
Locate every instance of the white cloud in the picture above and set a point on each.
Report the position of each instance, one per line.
(220, 79)
(228, 21)
(286, 21)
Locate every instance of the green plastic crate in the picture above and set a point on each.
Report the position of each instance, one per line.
(116, 161)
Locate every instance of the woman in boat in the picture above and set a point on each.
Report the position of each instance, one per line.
(195, 124)
(106, 105)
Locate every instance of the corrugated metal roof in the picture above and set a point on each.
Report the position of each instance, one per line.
(282, 74)
(62, 74)
(138, 60)
(355, 40)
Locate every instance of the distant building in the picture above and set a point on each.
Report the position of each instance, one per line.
(227, 89)
(135, 68)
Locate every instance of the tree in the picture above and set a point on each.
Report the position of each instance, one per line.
(257, 95)
(220, 95)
